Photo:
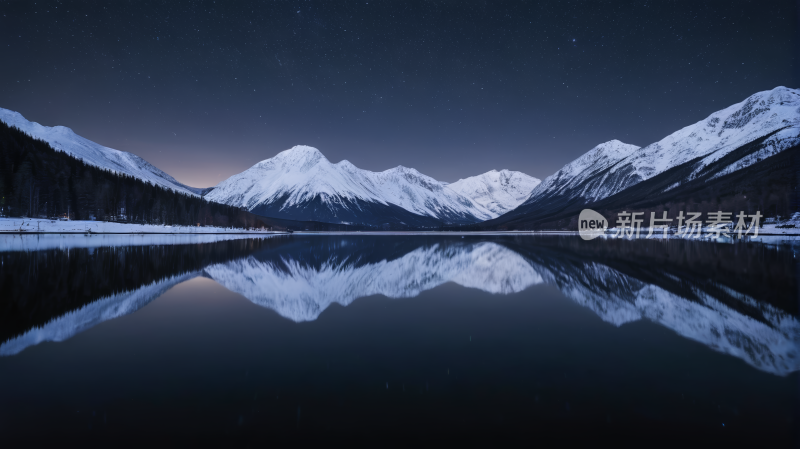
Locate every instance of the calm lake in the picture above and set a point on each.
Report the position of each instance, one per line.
(118, 338)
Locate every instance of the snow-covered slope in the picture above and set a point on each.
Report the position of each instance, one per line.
(722, 132)
(301, 178)
(588, 176)
(63, 139)
(497, 191)
(613, 166)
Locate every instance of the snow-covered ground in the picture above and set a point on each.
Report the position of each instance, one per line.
(790, 226)
(101, 227)
(41, 242)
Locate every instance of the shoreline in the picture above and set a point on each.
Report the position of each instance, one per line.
(41, 226)
(142, 233)
(453, 233)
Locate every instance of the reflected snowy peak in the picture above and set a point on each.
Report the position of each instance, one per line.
(300, 278)
(300, 291)
(769, 344)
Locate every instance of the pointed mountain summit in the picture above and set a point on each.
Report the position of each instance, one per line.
(590, 177)
(64, 139)
(301, 184)
(497, 191)
(682, 167)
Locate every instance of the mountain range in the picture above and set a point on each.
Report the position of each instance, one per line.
(717, 161)
(727, 159)
(300, 183)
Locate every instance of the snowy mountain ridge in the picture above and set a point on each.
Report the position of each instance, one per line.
(569, 179)
(301, 179)
(64, 139)
(497, 191)
(301, 184)
(724, 131)
(302, 174)
(613, 166)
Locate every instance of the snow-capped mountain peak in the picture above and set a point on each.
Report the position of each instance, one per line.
(497, 191)
(301, 179)
(592, 163)
(64, 139)
(614, 166)
(346, 165)
(723, 131)
(301, 156)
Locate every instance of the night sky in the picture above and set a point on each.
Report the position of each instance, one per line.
(204, 90)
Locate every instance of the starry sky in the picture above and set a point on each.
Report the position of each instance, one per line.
(204, 90)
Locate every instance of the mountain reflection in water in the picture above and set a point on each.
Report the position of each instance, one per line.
(734, 298)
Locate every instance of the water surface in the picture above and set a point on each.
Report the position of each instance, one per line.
(257, 339)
